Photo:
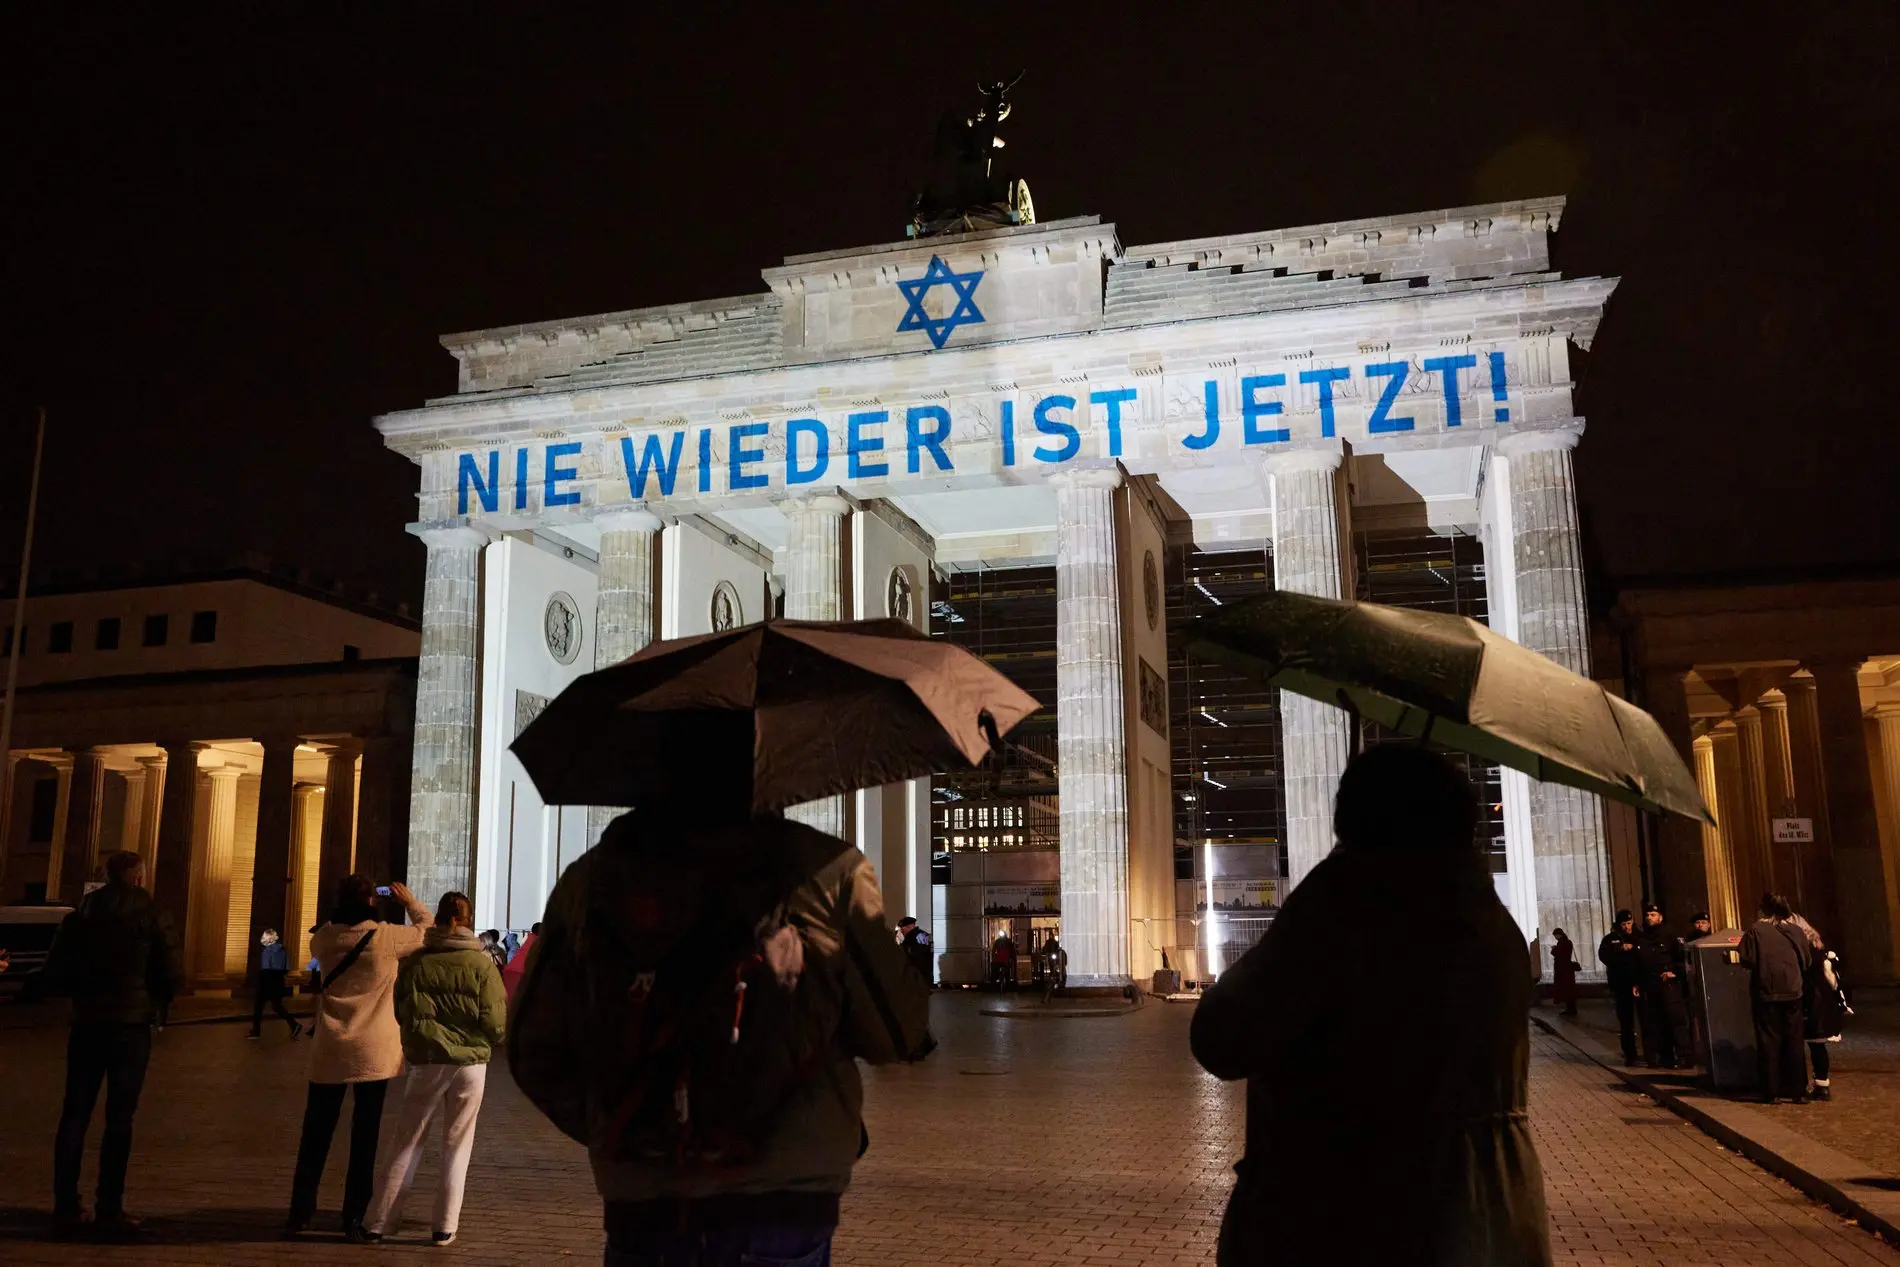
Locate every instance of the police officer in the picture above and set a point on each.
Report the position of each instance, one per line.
(1617, 953)
(1660, 960)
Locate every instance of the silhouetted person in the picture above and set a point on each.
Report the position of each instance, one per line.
(1563, 971)
(115, 956)
(917, 950)
(1617, 953)
(1778, 956)
(1431, 1129)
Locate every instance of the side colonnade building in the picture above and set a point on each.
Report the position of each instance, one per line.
(880, 419)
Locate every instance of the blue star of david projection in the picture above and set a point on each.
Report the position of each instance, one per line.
(939, 328)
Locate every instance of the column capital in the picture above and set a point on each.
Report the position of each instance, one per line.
(337, 745)
(1109, 477)
(450, 534)
(1887, 712)
(226, 773)
(1542, 439)
(827, 504)
(277, 742)
(1325, 456)
(154, 763)
(1772, 700)
(633, 517)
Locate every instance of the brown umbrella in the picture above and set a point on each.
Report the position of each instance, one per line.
(783, 712)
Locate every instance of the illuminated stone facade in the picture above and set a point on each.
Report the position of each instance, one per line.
(995, 400)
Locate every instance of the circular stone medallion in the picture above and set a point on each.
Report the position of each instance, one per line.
(561, 627)
(726, 613)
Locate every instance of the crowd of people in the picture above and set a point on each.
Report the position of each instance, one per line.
(695, 1005)
(1796, 995)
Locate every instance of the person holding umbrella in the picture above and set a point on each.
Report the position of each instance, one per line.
(1435, 1126)
(707, 977)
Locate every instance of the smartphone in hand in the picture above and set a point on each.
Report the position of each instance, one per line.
(382, 890)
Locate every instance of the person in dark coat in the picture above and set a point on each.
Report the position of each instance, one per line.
(916, 944)
(1778, 957)
(1430, 1128)
(273, 968)
(1617, 953)
(116, 957)
(1660, 963)
(1563, 971)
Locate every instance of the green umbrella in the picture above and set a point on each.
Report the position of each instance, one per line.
(1456, 683)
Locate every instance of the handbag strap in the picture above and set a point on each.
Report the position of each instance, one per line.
(356, 952)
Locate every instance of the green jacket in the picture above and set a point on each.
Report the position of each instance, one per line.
(449, 1001)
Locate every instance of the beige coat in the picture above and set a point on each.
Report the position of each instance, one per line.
(356, 1035)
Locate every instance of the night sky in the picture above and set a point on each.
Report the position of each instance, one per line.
(231, 237)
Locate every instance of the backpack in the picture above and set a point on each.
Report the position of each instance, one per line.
(696, 1043)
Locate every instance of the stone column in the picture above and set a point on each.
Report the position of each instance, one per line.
(1573, 869)
(151, 808)
(1681, 881)
(171, 879)
(624, 605)
(1734, 821)
(814, 590)
(62, 764)
(132, 813)
(1810, 794)
(1887, 721)
(339, 820)
(271, 868)
(442, 779)
(1720, 876)
(1756, 868)
(379, 811)
(1315, 739)
(81, 852)
(1090, 738)
(1778, 786)
(1860, 882)
(211, 893)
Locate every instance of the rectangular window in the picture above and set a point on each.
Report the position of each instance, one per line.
(6, 641)
(40, 819)
(352, 653)
(59, 637)
(158, 630)
(106, 636)
(204, 626)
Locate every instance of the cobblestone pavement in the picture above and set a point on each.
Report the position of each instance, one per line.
(1863, 1118)
(1021, 1142)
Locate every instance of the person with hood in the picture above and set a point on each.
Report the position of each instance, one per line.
(1778, 956)
(115, 956)
(518, 963)
(1434, 1129)
(357, 1045)
(1617, 953)
(701, 1157)
(1563, 971)
(273, 969)
(453, 1011)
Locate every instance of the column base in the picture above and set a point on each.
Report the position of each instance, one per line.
(1097, 986)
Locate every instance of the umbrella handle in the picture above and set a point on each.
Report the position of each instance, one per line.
(1358, 744)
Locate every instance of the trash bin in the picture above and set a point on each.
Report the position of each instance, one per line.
(1724, 1017)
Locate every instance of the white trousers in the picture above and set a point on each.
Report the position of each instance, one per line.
(455, 1091)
